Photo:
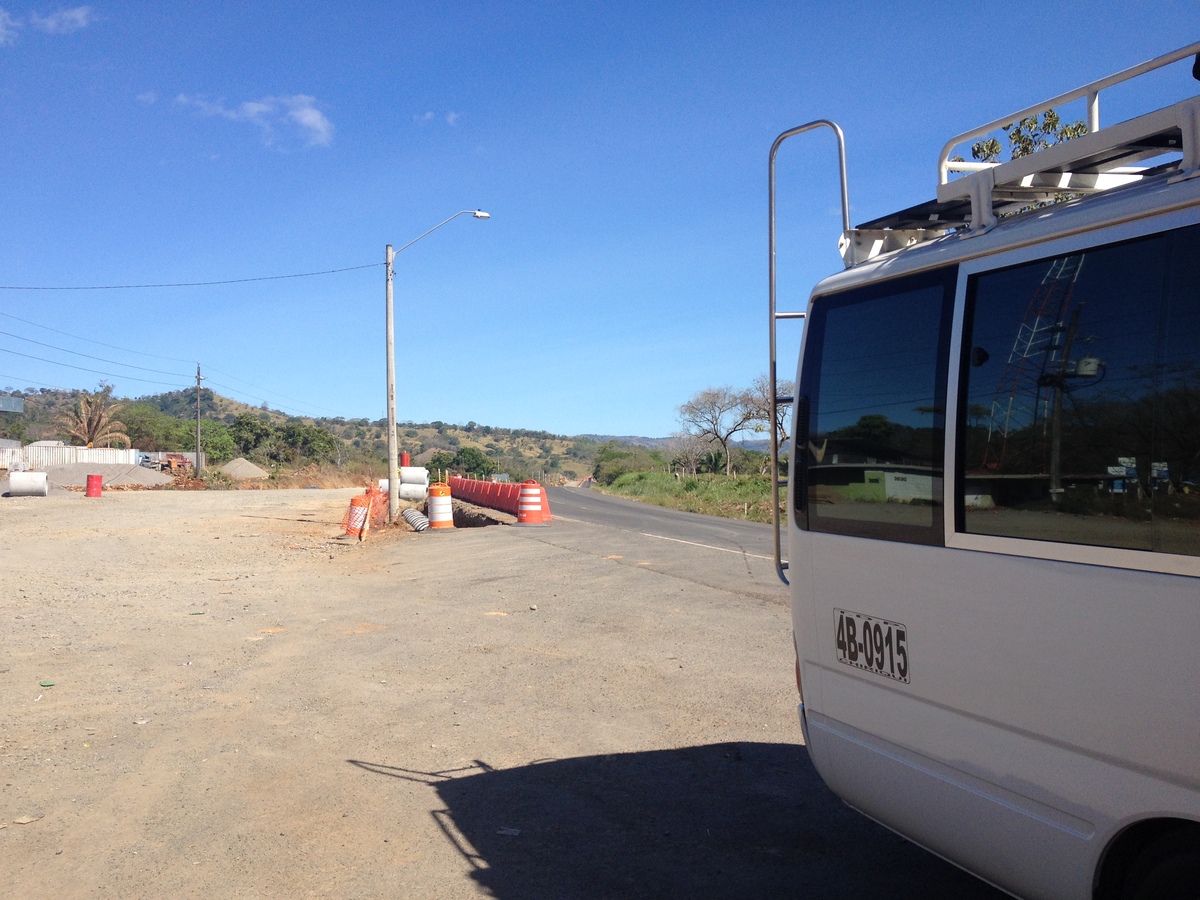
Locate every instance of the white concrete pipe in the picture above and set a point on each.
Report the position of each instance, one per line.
(27, 484)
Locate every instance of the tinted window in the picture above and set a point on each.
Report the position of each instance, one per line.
(1082, 397)
(874, 382)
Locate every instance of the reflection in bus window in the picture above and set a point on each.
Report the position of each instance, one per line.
(1081, 420)
(875, 385)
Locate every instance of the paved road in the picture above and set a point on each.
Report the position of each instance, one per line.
(728, 535)
(718, 553)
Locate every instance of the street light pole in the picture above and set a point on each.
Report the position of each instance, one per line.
(393, 448)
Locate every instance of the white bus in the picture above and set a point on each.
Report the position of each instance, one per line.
(993, 509)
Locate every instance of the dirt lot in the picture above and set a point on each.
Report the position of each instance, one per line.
(211, 694)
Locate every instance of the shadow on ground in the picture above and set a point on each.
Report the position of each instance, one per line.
(718, 821)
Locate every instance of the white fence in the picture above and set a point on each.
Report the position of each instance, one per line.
(17, 459)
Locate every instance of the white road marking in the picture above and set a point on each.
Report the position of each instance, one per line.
(705, 546)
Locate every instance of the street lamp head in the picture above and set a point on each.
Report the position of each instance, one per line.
(480, 214)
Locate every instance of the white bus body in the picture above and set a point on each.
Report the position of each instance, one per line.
(993, 525)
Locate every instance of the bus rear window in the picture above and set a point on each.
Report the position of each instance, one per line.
(1081, 412)
(874, 379)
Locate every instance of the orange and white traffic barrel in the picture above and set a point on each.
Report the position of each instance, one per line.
(441, 510)
(529, 504)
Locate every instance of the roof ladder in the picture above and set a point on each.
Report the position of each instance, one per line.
(776, 316)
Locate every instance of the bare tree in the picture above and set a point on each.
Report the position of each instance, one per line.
(688, 447)
(760, 401)
(719, 413)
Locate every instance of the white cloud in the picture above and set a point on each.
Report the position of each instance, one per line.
(450, 118)
(64, 21)
(303, 111)
(148, 97)
(8, 28)
(274, 116)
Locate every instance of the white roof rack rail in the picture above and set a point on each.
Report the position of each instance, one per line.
(1102, 159)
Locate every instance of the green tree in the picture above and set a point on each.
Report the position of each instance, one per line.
(216, 442)
(441, 460)
(614, 460)
(473, 461)
(1028, 136)
(149, 428)
(12, 427)
(249, 433)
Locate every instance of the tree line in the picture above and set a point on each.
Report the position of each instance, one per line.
(713, 417)
(96, 419)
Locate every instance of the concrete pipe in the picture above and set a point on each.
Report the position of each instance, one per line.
(27, 484)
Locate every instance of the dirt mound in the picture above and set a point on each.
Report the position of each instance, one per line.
(114, 476)
(241, 468)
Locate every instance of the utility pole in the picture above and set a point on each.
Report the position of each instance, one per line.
(389, 258)
(392, 443)
(196, 468)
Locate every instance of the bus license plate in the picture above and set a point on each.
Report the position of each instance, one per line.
(875, 645)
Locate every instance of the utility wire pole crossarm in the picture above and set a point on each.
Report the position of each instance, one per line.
(393, 448)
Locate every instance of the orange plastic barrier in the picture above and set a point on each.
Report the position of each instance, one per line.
(500, 495)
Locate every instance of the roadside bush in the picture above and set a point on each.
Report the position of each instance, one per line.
(714, 495)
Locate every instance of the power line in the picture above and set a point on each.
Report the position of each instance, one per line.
(90, 341)
(181, 284)
(89, 356)
(82, 369)
(29, 381)
(244, 394)
(267, 390)
(130, 365)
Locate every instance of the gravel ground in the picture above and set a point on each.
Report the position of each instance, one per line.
(213, 694)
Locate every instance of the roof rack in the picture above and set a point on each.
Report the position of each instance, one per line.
(1097, 161)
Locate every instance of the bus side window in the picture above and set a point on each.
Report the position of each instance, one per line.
(874, 376)
(1082, 422)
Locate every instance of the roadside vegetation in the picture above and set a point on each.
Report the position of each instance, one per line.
(705, 467)
(737, 497)
(320, 451)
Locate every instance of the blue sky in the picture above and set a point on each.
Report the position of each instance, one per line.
(620, 149)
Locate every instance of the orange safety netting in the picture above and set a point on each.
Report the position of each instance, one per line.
(368, 510)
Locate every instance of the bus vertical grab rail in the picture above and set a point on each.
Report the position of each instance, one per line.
(781, 564)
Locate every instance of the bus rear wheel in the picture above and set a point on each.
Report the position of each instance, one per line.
(1168, 869)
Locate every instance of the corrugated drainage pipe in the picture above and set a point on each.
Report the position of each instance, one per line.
(415, 519)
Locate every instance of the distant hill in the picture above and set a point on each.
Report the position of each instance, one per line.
(632, 440)
(760, 445)
(182, 405)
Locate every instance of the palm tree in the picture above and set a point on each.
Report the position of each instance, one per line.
(90, 420)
